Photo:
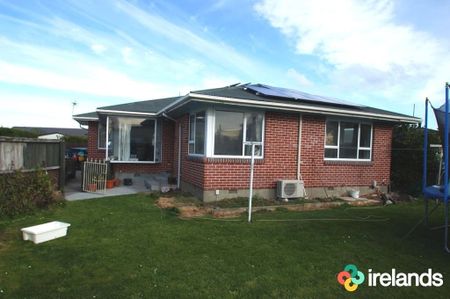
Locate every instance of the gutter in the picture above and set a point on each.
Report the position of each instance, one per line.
(84, 118)
(304, 108)
(126, 112)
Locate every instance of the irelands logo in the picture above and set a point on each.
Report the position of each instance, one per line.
(350, 278)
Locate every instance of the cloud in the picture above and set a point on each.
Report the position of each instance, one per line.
(40, 111)
(95, 80)
(363, 45)
(352, 33)
(217, 51)
(127, 54)
(98, 48)
(299, 79)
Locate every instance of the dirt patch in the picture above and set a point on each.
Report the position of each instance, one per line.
(228, 213)
(166, 202)
(190, 211)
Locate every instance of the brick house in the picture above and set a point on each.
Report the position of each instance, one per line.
(203, 139)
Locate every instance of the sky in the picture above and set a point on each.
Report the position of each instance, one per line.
(386, 54)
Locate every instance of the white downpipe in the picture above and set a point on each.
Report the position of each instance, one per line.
(299, 146)
(179, 156)
(107, 137)
(250, 196)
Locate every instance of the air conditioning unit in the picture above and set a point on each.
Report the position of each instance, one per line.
(290, 189)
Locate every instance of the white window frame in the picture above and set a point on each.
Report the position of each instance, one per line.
(212, 130)
(192, 141)
(134, 162)
(337, 147)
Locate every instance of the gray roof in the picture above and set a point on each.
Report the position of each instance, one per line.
(150, 106)
(254, 92)
(46, 131)
(242, 92)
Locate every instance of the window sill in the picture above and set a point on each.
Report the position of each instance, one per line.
(223, 160)
(348, 162)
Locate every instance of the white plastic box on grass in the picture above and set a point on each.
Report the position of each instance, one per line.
(45, 232)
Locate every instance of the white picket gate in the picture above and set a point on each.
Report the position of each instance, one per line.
(94, 175)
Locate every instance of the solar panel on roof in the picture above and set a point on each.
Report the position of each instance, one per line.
(295, 94)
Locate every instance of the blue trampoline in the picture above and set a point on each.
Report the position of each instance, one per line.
(438, 192)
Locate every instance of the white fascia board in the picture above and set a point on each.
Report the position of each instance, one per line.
(303, 108)
(173, 105)
(84, 118)
(126, 112)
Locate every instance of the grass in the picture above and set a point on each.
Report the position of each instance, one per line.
(125, 247)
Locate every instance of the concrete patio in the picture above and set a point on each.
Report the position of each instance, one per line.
(141, 183)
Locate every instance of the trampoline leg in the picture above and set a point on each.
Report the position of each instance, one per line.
(446, 228)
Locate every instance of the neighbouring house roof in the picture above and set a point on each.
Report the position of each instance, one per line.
(48, 131)
(253, 95)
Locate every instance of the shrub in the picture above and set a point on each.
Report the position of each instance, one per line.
(407, 158)
(10, 132)
(22, 193)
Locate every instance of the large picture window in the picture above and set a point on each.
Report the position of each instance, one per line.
(133, 139)
(234, 131)
(197, 127)
(348, 140)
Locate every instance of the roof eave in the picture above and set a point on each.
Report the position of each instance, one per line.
(304, 108)
(128, 113)
(85, 118)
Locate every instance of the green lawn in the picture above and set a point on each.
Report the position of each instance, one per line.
(126, 247)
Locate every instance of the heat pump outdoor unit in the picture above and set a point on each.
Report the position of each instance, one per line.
(290, 189)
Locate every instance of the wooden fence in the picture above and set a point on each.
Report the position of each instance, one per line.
(27, 154)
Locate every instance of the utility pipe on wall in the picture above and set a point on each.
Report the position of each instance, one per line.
(179, 156)
(250, 195)
(299, 146)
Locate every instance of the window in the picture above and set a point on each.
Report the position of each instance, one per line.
(348, 140)
(234, 131)
(133, 140)
(101, 141)
(197, 133)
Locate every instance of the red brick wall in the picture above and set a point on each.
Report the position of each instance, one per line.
(166, 164)
(192, 169)
(318, 173)
(93, 151)
(280, 158)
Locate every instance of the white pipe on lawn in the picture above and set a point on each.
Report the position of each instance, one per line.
(250, 196)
